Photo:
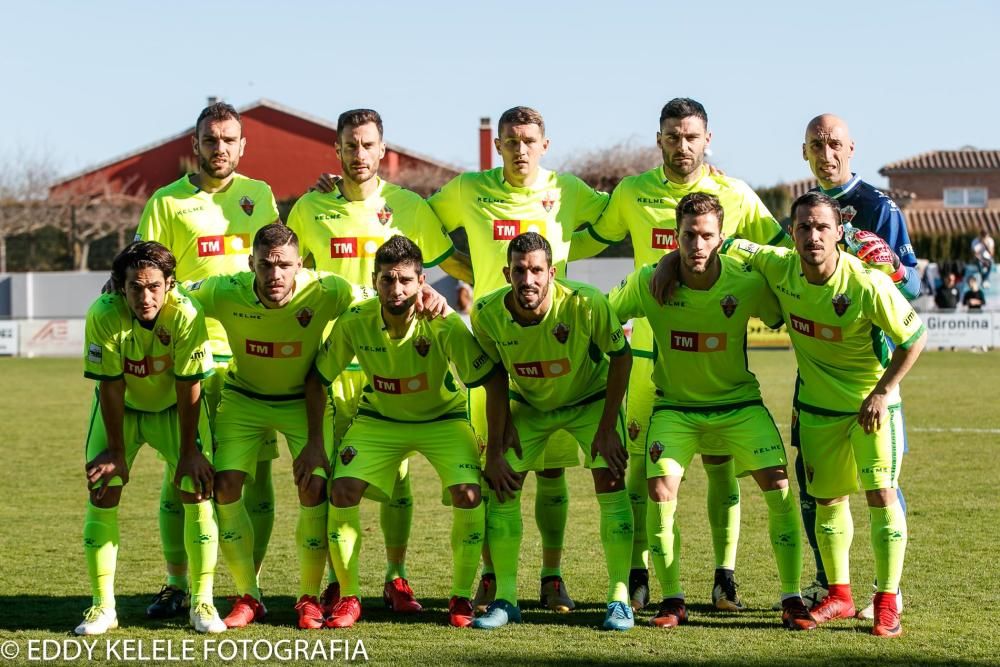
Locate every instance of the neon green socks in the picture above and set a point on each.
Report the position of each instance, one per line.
(638, 495)
(310, 540)
(236, 544)
(723, 504)
(100, 544)
(201, 538)
(786, 538)
(616, 538)
(468, 529)
(551, 514)
(665, 546)
(171, 519)
(834, 534)
(889, 544)
(396, 519)
(504, 529)
(344, 534)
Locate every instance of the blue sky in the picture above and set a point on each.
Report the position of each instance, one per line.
(84, 82)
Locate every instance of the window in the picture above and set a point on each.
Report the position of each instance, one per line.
(965, 197)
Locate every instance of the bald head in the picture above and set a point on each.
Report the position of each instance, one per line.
(828, 149)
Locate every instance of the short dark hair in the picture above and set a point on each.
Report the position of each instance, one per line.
(218, 111)
(529, 242)
(812, 199)
(142, 255)
(699, 203)
(683, 107)
(521, 116)
(357, 118)
(274, 235)
(399, 250)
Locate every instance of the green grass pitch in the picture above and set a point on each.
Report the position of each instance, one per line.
(950, 478)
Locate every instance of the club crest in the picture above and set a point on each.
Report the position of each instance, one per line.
(163, 335)
(384, 215)
(304, 317)
(561, 332)
(422, 345)
(548, 202)
(729, 303)
(246, 204)
(841, 302)
(655, 451)
(847, 213)
(633, 430)
(347, 455)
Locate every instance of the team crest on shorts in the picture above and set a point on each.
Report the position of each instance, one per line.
(246, 204)
(561, 332)
(347, 455)
(729, 303)
(384, 215)
(163, 335)
(847, 213)
(841, 302)
(304, 316)
(633, 429)
(423, 345)
(548, 202)
(655, 451)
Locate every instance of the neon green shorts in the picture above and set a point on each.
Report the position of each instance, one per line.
(836, 453)
(639, 405)
(160, 430)
(748, 434)
(561, 450)
(212, 390)
(243, 423)
(374, 449)
(534, 428)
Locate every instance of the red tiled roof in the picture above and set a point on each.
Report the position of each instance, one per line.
(931, 222)
(962, 159)
(798, 188)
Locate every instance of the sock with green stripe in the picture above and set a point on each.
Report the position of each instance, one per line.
(100, 544)
(344, 534)
(616, 538)
(723, 504)
(786, 538)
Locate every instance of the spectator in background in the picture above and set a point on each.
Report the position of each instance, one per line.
(984, 250)
(973, 298)
(946, 297)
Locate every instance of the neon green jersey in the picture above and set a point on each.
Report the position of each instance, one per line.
(149, 360)
(700, 335)
(838, 329)
(273, 348)
(210, 234)
(645, 207)
(342, 236)
(493, 212)
(406, 379)
(560, 361)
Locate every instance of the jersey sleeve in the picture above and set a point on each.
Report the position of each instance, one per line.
(590, 203)
(891, 227)
(447, 204)
(483, 337)
(272, 206)
(892, 313)
(611, 226)
(296, 223)
(431, 237)
(762, 258)
(767, 309)
(192, 354)
(607, 332)
(474, 366)
(336, 353)
(154, 224)
(758, 225)
(102, 358)
(626, 297)
(203, 293)
(342, 292)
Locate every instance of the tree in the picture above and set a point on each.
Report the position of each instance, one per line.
(604, 168)
(24, 187)
(94, 208)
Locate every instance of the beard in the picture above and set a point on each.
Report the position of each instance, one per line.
(536, 298)
(217, 172)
